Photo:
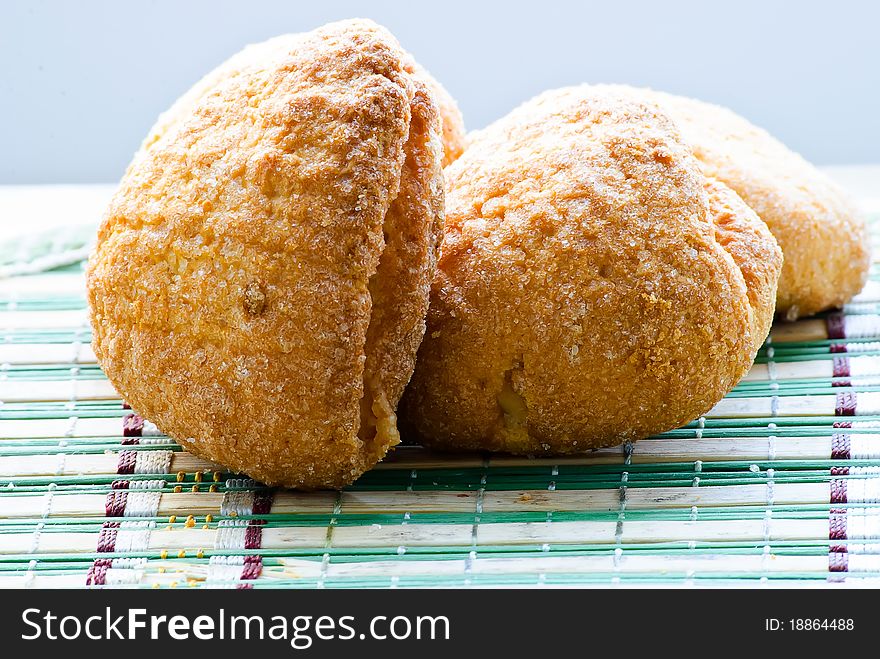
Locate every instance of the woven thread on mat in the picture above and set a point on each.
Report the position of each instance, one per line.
(241, 535)
(781, 481)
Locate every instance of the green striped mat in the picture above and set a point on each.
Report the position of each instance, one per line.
(778, 484)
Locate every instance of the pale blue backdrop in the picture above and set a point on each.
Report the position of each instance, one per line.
(81, 82)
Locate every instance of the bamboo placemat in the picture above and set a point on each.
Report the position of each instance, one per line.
(779, 483)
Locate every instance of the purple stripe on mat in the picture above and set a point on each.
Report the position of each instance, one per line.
(838, 491)
(253, 535)
(845, 404)
(838, 561)
(263, 502)
(252, 569)
(107, 537)
(127, 460)
(835, 324)
(837, 528)
(114, 504)
(253, 538)
(132, 425)
(840, 446)
(97, 574)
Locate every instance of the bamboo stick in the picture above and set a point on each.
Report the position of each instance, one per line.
(819, 405)
(42, 506)
(63, 319)
(812, 329)
(743, 530)
(43, 285)
(22, 391)
(47, 353)
(646, 451)
(71, 426)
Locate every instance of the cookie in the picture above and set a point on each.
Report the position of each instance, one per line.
(451, 120)
(821, 232)
(594, 285)
(261, 276)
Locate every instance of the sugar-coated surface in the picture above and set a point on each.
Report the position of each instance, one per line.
(821, 232)
(594, 285)
(242, 294)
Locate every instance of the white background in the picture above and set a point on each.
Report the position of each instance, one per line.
(81, 82)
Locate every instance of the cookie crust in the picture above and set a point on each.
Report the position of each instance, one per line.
(594, 286)
(245, 277)
(821, 232)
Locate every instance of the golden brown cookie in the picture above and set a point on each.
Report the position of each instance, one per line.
(821, 232)
(261, 276)
(452, 122)
(594, 285)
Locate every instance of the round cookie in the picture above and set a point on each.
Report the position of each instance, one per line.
(594, 286)
(822, 234)
(261, 276)
(451, 120)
